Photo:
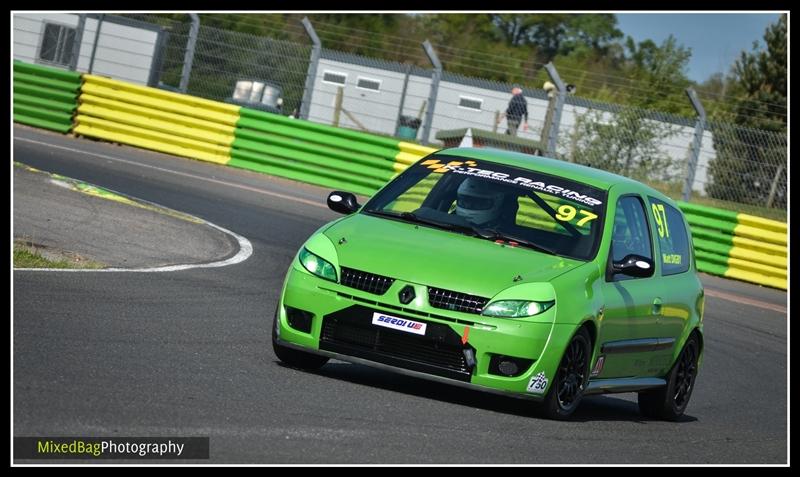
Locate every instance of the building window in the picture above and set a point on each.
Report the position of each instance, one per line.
(334, 78)
(58, 42)
(368, 83)
(466, 102)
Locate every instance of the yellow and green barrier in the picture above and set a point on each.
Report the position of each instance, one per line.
(740, 246)
(726, 243)
(155, 119)
(311, 152)
(45, 97)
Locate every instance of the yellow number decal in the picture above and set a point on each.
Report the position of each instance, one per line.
(587, 217)
(566, 213)
(661, 219)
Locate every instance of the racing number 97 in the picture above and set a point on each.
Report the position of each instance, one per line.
(661, 219)
(567, 212)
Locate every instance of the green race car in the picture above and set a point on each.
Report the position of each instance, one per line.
(507, 273)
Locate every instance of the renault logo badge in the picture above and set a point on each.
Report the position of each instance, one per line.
(407, 294)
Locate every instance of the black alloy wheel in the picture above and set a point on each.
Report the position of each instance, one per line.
(567, 389)
(669, 402)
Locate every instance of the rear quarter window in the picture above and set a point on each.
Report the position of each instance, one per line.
(672, 237)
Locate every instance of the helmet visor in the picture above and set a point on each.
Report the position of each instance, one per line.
(471, 202)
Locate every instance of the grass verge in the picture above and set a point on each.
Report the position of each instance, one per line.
(29, 256)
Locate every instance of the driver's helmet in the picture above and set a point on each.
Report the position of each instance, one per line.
(479, 201)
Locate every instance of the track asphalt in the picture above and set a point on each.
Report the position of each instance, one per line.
(188, 353)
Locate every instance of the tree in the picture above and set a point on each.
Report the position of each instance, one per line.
(625, 142)
(659, 75)
(751, 156)
(551, 34)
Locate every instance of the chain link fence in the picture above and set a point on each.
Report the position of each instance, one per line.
(734, 167)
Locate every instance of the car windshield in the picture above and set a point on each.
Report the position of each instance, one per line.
(490, 201)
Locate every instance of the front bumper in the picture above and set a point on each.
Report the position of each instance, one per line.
(341, 328)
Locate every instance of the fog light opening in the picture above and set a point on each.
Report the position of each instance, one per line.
(299, 319)
(507, 367)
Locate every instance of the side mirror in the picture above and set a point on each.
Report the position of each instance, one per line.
(634, 265)
(343, 202)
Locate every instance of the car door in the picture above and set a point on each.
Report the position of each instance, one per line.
(679, 287)
(628, 328)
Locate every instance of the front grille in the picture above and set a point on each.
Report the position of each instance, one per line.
(365, 281)
(439, 351)
(450, 300)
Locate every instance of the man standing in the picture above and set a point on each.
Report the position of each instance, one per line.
(517, 109)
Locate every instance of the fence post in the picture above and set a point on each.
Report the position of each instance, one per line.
(774, 187)
(311, 75)
(337, 108)
(76, 47)
(437, 75)
(96, 39)
(402, 99)
(188, 58)
(555, 121)
(694, 153)
(548, 116)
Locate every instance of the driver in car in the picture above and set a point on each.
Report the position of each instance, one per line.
(480, 202)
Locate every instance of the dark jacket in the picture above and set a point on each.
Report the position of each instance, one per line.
(517, 108)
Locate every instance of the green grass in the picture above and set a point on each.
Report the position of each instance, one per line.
(29, 257)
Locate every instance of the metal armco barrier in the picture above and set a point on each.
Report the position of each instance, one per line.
(156, 119)
(726, 243)
(740, 246)
(45, 97)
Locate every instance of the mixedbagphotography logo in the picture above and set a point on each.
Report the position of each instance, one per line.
(111, 448)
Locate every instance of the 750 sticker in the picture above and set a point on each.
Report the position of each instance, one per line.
(537, 383)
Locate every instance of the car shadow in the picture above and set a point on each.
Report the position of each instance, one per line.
(593, 408)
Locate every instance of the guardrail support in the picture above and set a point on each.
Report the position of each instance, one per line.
(188, 58)
(558, 106)
(694, 152)
(437, 75)
(311, 75)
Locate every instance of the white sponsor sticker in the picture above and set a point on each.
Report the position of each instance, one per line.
(400, 324)
(537, 384)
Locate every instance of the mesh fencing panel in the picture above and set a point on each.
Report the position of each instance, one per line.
(737, 168)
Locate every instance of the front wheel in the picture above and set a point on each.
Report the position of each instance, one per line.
(570, 381)
(670, 401)
(293, 357)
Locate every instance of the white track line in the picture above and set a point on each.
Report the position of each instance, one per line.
(185, 174)
(245, 247)
(245, 250)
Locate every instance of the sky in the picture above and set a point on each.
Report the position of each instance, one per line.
(716, 39)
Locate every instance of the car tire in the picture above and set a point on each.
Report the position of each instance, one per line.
(569, 383)
(669, 402)
(292, 357)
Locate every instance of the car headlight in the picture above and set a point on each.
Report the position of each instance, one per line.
(517, 308)
(317, 265)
